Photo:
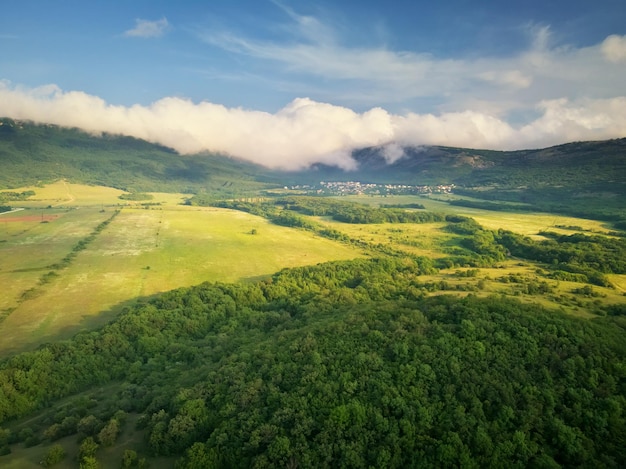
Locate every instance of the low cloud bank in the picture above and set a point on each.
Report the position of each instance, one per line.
(306, 132)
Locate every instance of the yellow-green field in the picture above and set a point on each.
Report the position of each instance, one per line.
(64, 194)
(526, 223)
(433, 241)
(143, 251)
(28, 248)
(419, 239)
(148, 249)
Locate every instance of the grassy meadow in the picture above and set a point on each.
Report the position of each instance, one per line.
(510, 277)
(161, 245)
(29, 247)
(427, 239)
(526, 223)
(143, 251)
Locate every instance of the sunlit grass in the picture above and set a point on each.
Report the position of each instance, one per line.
(65, 194)
(143, 252)
(152, 249)
(526, 223)
(29, 248)
(433, 241)
(425, 239)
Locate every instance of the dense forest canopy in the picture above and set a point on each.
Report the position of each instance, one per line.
(345, 364)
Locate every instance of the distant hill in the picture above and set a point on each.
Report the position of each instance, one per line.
(581, 163)
(32, 154)
(582, 178)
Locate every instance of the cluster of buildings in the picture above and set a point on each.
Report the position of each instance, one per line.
(361, 188)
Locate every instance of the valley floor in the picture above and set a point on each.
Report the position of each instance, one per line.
(61, 276)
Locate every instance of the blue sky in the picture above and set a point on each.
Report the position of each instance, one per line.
(288, 83)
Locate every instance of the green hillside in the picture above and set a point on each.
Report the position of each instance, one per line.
(32, 154)
(583, 164)
(586, 179)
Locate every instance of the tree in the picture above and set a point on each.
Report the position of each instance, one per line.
(53, 432)
(199, 457)
(5, 435)
(89, 462)
(55, 454)
(89, 425)
(87, 448)
(129, 459)
(108, 434)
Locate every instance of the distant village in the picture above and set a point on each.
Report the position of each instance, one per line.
(360, 188)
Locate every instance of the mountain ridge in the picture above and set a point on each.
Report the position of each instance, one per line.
(442, 164)
(38, 153)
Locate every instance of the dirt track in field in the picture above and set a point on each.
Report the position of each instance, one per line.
(27, 218)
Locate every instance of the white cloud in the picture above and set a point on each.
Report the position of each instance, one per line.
(614, 48)
(148, 29)
(305, 131)
(308, 27)
(513, 78)
(392, 152)
(373, 76)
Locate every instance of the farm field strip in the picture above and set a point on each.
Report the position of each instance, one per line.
(62, 193)
(13, 210)
(29, 248)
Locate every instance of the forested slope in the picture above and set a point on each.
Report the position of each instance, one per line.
(345, 364)
(586, 179)
(32, 154)
(582, 178)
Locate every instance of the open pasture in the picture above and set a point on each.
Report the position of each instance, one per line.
(526, 223)
(62, 193)
(65, 194)
(423, 239)
(28, 246)
(140, 253)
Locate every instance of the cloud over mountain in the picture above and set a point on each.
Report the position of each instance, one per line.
(305, 131)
